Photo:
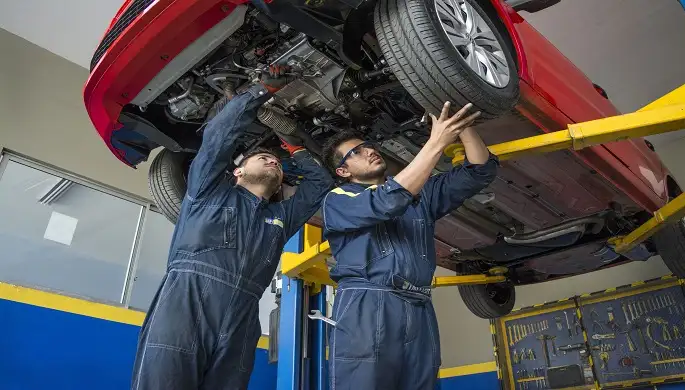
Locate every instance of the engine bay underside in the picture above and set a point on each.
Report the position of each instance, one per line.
(524, 214)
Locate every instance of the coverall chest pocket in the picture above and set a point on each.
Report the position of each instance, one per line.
(214, 227)
(365, 247)
(419, 240)
(359, 327)
(273, 236)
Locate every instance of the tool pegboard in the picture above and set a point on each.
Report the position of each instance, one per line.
(626, 337)
(541, 338)
(636, 333)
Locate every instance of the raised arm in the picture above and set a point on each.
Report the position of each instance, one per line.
(311, 191)
(219, 140)
(346, 210)
(447, 191)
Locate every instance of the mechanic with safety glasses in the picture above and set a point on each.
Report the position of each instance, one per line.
(380, 230)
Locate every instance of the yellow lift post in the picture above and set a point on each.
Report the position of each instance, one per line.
(664, 115)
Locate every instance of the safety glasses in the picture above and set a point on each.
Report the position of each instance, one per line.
(358, 150)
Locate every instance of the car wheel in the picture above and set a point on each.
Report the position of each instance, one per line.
(167, 182)
(670, 244)
(168, 175)
(489, 300)
(449, 50)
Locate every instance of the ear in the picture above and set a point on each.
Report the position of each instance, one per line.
(342, 172)
(238, 172)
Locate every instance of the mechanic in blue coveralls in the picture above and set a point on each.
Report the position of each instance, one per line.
(381, 234)
(203, 325)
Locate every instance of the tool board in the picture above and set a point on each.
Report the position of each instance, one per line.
(625, 337)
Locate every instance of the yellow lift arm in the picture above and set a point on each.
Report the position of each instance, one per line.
(664, 115)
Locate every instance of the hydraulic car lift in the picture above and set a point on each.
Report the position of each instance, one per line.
(306, 272)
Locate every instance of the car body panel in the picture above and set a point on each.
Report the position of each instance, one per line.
(140, 52)
(565, 87)
(540, 190)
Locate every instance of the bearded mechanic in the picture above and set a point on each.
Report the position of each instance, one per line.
(381, 234)
(203, 324)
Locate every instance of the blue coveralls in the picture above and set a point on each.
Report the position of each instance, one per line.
(386, 335)
(203, 324)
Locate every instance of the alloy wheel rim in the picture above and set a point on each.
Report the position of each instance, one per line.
(474, 40)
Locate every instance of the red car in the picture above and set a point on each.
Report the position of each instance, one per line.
(378, 66)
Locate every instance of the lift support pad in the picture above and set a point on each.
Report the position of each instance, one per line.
(665, 114)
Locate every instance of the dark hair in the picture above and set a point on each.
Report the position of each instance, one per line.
(255, 152)
(331, 155)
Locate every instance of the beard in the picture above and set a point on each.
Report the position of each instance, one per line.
(268, 178)
(372, 174)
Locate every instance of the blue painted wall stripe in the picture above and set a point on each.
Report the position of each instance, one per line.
(51, 349)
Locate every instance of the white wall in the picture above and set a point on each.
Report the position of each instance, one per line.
(42, 116)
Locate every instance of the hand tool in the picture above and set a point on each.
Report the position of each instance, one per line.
(636, 373)
(631, 345)
(604, 347)
(597, 326)
(576, 324)
(604, 357)
(631, 309)
(626, 361)
(605, 336)
(651, 321)
(516, 333)
(665, 333)
(641, 338)
(571, 347)
(543, 341)
(511, 338)
(554, 345)
(625, 313)
(316, 315)
(558, 321)
(568, 325)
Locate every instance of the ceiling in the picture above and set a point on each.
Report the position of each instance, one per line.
(632, 48)
(69, 28)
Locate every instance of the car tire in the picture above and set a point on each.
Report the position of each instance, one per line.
(417, 48)
(670, 244)
(167, 178)
(167, 182)
(489, 300)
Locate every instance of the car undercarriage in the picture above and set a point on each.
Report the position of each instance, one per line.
(374, 68)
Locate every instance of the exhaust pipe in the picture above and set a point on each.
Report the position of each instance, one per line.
(574, 225)
(274, 120)
(286, 128)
